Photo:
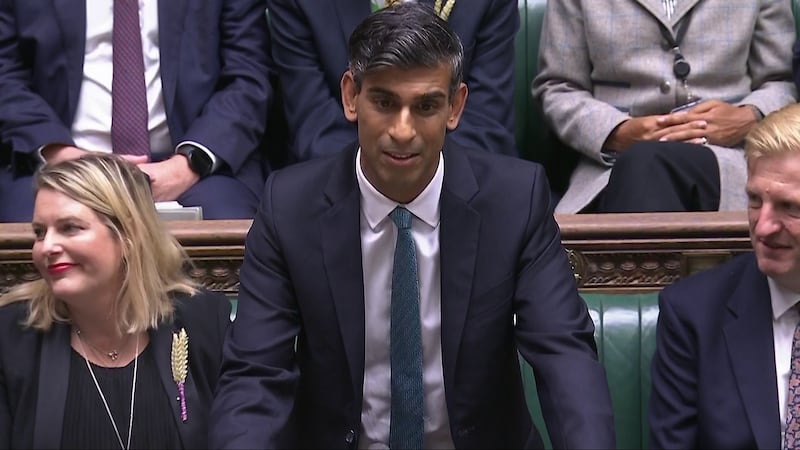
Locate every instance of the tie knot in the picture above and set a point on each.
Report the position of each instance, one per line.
(401, 217)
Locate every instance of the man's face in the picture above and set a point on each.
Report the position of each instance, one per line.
(402, 118)
(773, 191)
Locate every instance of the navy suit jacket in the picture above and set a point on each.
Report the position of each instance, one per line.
(214, 76)
(500, 255)
(796, 63)
(309, 46)
(34, 369)
(714, 379)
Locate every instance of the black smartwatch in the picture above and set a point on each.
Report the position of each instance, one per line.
(199, 161)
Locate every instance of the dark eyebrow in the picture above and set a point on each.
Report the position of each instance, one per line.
(428, 96)
(382, 91)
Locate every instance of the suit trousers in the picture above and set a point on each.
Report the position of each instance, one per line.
(662, 177)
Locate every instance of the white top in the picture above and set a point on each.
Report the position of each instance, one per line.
(378, 236)
(784, 321)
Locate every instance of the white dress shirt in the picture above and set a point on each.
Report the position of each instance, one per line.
(784, 321)
(91, 129)
(378, 236)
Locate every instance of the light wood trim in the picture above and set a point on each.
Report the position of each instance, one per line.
(609, 252)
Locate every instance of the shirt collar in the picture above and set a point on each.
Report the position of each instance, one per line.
(376, 206)
(782, 299)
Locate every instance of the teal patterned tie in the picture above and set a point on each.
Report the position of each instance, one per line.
(406, 428)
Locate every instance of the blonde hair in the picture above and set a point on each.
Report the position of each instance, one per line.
(779, 132)
(153, 262)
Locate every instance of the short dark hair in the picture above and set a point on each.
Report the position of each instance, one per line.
(407, 35)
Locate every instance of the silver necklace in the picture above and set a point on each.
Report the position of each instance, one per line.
(113, 355)
(103, 397)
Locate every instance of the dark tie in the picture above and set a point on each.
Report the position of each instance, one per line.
(128, 95)
(792, 436)
(406, 427)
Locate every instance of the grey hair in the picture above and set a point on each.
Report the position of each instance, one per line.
(407, 35)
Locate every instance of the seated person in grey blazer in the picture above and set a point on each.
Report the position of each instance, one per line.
(657, 97)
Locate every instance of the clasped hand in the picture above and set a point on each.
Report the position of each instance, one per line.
(719, 122)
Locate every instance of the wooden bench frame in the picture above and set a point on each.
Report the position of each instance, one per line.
(609, 253)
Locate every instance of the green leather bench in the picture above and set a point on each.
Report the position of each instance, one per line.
(625, 327)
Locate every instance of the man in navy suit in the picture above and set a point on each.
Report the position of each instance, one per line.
(722, 367)
(207, 88)
(309, 45)
(308, 363)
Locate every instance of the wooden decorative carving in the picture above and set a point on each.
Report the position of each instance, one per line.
(609, 252)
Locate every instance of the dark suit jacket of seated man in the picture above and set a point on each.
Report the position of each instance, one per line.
(309, 45)
(212, 56)
(724, 342)
(306, 364)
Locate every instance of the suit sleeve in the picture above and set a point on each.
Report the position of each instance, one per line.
(672, 412)
(313, 111)
(255, 394)
(5, 411)
(488, 119)
(234, 118)
(563, 85)
(26, 120)
(769, 61)
(556, 336)
(796, 64)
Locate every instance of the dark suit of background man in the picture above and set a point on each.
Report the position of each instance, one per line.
(309, 364)
(205, 67)
(309, 44)
(722, 371)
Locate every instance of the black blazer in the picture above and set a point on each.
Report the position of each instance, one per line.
(34, 370)
(500, 255)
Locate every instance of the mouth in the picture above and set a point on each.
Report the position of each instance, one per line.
(401, 158)
(58, 269)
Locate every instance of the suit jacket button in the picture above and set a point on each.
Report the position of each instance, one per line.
(350, 436)
(665, 87)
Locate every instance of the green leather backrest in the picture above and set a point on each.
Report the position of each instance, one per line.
(531, 133)
(625, 330)
(796, 11)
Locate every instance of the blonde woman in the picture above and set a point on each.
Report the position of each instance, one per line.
(114, 347)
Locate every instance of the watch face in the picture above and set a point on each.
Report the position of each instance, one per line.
(199, 161)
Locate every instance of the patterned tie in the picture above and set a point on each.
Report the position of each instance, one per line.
(128, 94)
(406, 428)
(792, 436)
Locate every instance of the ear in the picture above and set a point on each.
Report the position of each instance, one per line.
(457, 106)
(349, 95)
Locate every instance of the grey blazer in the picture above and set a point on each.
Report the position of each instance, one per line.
(603, 62)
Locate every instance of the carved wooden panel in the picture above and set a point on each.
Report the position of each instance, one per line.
(607, 252)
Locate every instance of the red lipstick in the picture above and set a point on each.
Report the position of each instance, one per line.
(58, 269)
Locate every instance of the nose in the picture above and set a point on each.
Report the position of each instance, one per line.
(767, 221)
(402, 129)
(50, 243)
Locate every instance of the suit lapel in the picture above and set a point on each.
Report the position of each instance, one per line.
(748, 333)
(458, 248)
(54, 366)
(351, 13)
(192, 435)
(341, 255)
(170, 25)
(71, 18)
